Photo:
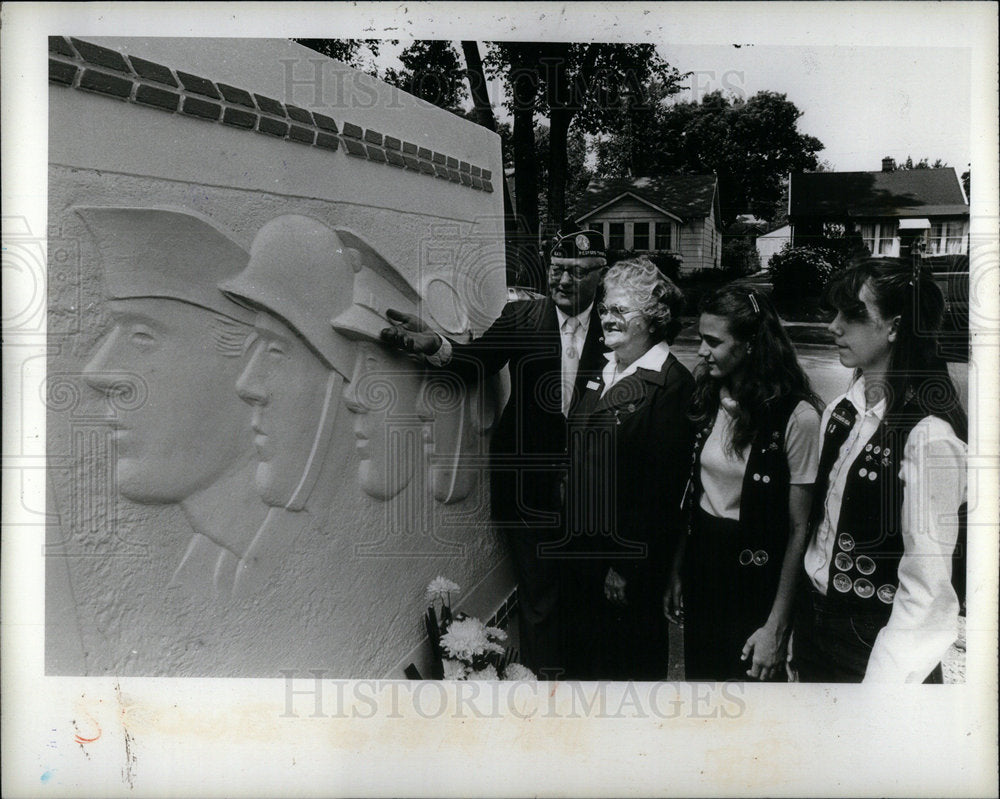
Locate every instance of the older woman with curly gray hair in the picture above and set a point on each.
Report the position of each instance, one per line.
(630, 447)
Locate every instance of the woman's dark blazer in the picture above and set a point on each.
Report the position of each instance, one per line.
(630, 454)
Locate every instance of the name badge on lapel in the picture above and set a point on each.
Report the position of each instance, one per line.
(593, 385)
(841, 418)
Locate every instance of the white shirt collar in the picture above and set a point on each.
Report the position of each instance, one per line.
(652, 359)
(856, 395)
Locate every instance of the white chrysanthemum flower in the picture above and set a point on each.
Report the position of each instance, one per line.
(496, 634)
(454, 669)
(515, 671)
(440, 588)
(487, 672)
(492, 646)
(466, 638)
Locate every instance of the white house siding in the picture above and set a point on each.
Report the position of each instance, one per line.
(770, 243)
(693, 241)
(701, 245)
(627, 212)
(709, 245)
(693, 245)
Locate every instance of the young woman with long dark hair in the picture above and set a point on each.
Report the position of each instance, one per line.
(754, 465)
(880, 604)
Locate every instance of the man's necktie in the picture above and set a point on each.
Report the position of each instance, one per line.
(570, 326)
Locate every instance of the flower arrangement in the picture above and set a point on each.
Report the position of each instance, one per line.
(465, 648)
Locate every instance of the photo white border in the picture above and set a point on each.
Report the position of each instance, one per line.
(232, 737)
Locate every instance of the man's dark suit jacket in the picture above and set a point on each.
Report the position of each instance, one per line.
(528, 449)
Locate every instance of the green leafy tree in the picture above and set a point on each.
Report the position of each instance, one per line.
(517, 64)
(923, 163)
(576, 166)
(357, 53)
(624, 153)
(751, 145)
(739, 256)
(432, 70)
(799, 273)
(592, 86)
(522, 263)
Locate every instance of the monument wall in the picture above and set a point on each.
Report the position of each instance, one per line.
(241, 480)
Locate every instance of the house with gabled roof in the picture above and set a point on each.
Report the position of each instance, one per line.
(678, 214)
(891, 209)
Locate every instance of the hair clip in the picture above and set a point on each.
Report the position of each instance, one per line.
(753, 302)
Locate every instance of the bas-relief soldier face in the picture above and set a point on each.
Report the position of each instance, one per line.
(455, 420)
(286, 384)
(187, 427)
(382, 394)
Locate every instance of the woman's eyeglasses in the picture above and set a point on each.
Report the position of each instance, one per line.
(615, 310)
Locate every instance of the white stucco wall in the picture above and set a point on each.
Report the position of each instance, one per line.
(348, 596)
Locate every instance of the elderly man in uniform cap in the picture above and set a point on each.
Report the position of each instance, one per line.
(168, 366)
(551, 345)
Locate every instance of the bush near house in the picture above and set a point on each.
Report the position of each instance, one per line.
(697, 284)
(801, 272)
(739, 256)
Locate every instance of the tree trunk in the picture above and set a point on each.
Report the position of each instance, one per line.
(524, 83)
(558, 159)
(478, 89)
(514, 230)
(566, 94)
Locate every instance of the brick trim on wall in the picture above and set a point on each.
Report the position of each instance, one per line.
(79, 64)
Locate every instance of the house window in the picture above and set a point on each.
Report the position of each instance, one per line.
(640, 235)
(616, 235)
(880, 238)
(662, 236)
(946, 238)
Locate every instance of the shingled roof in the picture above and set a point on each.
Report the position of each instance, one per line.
(859, 194)
(685, 196)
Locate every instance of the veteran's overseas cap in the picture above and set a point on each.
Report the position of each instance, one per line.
(165, 252)
(301, 272)
(580, 244)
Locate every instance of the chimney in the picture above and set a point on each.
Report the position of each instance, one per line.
(888, 164)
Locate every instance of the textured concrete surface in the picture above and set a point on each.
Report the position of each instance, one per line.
(345, 593)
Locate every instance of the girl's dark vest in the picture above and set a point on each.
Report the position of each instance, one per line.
(863, 575)
(763, 524)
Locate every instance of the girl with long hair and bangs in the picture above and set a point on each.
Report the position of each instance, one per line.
(880, 604)
(733, 581)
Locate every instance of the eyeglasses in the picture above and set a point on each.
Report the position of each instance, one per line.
(615, 310)
(576, 271)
